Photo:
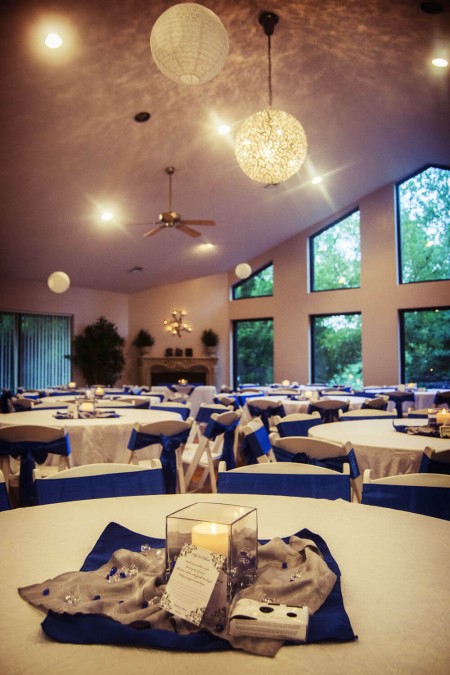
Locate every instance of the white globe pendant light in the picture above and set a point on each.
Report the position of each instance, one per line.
(58, 282)
(243, 270)
(189, 43)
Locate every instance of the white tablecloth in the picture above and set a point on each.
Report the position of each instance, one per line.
(119, 401)
(378, 446)
(93, 440)
(395, 585)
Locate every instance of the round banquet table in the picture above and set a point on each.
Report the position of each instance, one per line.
(378, 446)
(93, 440)
(395, 587)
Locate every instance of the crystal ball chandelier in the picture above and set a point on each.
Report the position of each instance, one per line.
(271, 145)
(189, 43)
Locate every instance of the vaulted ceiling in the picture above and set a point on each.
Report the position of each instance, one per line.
(357, 75)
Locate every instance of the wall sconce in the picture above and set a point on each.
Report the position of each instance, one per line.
(176, 324)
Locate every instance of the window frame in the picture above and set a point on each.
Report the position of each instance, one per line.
(398, 226)
(311, 256)
(312, 350)
(401, 332)
(234, 324)
(241, 282)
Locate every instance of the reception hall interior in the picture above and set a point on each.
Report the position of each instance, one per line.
(224, 285)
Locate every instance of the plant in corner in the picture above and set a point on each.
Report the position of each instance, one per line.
(98, 351)
(143, 339)
(210, 340)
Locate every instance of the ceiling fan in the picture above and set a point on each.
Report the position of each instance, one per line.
(173, 219)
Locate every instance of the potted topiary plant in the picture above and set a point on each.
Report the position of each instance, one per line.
(143, 341)
(210, 340)
(98, 351)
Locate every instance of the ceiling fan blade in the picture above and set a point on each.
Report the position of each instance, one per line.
(198, 222)
(188, 230)
(154, 231)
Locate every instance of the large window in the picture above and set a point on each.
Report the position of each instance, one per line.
(424, 226)
(425, 347)
(335, 255)
(253, 351)
(258, 285)
(336, 349)
(34, 350)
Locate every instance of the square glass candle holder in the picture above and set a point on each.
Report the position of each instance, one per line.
(223, 528)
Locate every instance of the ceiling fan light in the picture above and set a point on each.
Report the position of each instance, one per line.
(270, 146)
(189, 43)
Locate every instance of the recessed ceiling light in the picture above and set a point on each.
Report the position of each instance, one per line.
(143, 116)
(53, 41)
(440, 62)
(316, 180)
(223, 129)
(106, 215)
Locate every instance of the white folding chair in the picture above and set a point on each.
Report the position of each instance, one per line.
(256, 446)
(162, 440)
(427, 494)
(285, 478)
(316, 449)
(98, 481)
(28, 444)
(220, 434)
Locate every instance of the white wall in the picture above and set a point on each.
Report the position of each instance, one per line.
(207, 302)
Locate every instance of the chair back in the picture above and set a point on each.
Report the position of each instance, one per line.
(287, 479)
(399, 397)
(442, 398)
(5, 504)
(31, 444)
(366, 414)
(376, 403)
(256, 447)
(171, 406)
(170, 436)
(435, 462)
(265, 409)
(328, 409)
(98, 481)
(423, 493)
(296, 424)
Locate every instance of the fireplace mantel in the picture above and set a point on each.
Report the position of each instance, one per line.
(183, 366)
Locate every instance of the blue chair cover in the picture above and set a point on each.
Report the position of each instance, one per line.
(183, 411)
(288, 485)
(6, 405)
(357, 418)
(214, 429)
(256, 445)
(328, 410)
(4, 498)
(297, 427)
(334, 463)
(329, 623)
(399, 397)
(427, 501)
(168, 458)
(266, 413)
(428, 465)
(127, 484)
(29, 453)
(235, 403)
(375, 404)
(442, 397)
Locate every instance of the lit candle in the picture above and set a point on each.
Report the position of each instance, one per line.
(443, 417)
(212, 536)
(99, 391)
(72, 385)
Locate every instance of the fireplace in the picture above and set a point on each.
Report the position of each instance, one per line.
(168, 370)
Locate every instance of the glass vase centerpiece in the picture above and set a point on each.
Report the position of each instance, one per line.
(227, 529)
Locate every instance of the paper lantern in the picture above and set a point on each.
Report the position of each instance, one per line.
(189, 43)
(58, 282)
(243, 270)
